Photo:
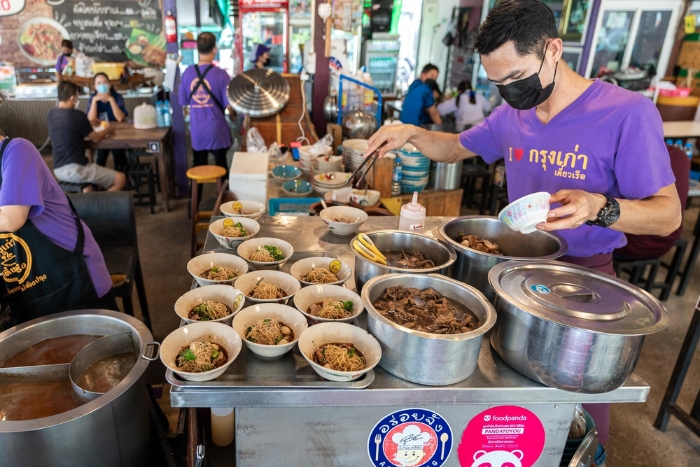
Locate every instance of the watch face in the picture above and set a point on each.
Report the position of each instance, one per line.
(612, 216)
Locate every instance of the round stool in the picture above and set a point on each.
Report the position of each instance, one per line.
(200, 175)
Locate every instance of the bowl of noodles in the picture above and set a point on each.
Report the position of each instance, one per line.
(328, 303)
(265, 252)
(216, 268)
(200, 351)
(215, 303)
(320, 270)
(251, 209)
(267, 286)
(339, 351)
(269, 330)
(232, 231)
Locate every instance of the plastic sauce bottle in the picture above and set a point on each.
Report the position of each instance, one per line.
(412, 215)
(159, 114)
(689, 150)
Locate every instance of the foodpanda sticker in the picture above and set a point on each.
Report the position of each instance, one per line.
(410, 438)
(507, 436)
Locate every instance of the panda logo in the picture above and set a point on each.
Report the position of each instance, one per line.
(498, 459)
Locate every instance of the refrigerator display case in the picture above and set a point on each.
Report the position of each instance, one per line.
(381, 58)
(265, 22)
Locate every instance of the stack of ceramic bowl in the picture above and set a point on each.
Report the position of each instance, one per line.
(329, 181)
(353, 150)
(415, 168)
(328, 164)
(307, 158)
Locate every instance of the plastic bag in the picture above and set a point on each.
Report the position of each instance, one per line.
(322, 146)
(275, 153)
(254, 141)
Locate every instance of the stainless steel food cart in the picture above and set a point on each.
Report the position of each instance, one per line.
(286, 415)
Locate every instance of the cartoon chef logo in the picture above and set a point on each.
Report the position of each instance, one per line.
(410, 438)
(498, 459)
(201, 96)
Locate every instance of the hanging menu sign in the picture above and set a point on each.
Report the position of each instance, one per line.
(31, 31)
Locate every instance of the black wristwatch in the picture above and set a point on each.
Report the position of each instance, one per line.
(608, 215)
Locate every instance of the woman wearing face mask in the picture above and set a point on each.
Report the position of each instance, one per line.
(107, 104)
(261, 56)
(469, 107)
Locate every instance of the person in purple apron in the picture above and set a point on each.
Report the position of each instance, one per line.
(597, 148)
(50, 260)
(63, 60)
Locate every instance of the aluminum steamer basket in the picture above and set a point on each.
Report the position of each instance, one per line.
(421, 357)
(571, 327)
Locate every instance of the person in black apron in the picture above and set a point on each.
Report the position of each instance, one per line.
(42, 278)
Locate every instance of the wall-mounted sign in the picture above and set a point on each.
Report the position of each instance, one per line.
(11, 7)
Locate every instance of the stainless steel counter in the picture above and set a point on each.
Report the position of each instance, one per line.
(492, 383)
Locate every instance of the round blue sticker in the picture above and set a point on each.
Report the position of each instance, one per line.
(410, 438)
(539, 289)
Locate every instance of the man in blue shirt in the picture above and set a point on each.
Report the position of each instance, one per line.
(419, 104)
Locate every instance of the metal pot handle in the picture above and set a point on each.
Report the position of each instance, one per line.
(153, 354)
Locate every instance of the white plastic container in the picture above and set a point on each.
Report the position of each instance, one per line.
(248, 176)
(412, 216)
(222, 426)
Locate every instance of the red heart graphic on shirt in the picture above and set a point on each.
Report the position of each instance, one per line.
(519, 154)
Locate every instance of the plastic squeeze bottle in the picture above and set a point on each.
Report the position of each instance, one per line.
(412, 215)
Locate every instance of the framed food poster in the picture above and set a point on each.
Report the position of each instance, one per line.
(106, 30)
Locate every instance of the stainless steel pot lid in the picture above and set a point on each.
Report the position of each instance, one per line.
(259, 92)
(578, 297)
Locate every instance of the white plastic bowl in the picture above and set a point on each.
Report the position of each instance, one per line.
(253, 207)
(247, 282)
(341, 333)
(317, 293)
(221, 334)
(524, 214)
(201, 263)
(357, 216)
(248, 247)
(217, 229)
(282, 313)
(305, 265)
(229, 296)
(369, 199)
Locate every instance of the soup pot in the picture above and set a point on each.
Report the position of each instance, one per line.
(389, 240)
(421, 357)
(473, 266)
(571, 327)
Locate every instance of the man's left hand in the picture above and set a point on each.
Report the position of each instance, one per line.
(577, 207)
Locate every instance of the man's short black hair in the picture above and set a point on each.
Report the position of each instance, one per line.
(428, 68)
(206, 43)
(528, 23)
(67, 44)
(66, 90)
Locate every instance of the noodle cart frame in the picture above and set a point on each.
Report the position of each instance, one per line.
(331, 426)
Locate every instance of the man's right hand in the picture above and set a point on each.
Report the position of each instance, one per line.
(395, 137)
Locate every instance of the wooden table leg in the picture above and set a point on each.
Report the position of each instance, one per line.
(163, 176)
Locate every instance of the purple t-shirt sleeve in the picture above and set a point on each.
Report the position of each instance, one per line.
(482, 139)
(22, 177)
(59, 63)
(225, 80)
(183, 95)
(642, 165)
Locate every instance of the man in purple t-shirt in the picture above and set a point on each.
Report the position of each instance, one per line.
(203, 87)
(597, 148)
(63, 60)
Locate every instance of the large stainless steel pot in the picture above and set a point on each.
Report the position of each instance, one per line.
(571, 327)
(421, 357)
(444, 176)
(389, 240)
(111, 431)
(472, 267)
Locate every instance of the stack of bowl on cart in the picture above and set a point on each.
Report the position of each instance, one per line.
(430, 299)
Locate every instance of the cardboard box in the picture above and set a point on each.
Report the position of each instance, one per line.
(689, 57)
(692, 82)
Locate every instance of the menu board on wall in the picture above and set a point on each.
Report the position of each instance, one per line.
(31, 31)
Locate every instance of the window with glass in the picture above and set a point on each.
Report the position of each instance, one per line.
(570, 15)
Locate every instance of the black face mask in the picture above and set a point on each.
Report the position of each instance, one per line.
(527, 93)
(68, 54)
(266, 62)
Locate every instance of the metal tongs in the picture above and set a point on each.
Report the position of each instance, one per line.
(374, 156)
(365, 247)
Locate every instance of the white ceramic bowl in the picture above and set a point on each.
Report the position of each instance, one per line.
(247, 282)
(221, 334)
(317, 293)
(370, 198)
(248, 247)
(341, 333)
(357, 216)
(524, 214)
(305, 265)
(217, 229)
(251, 209)
(282, 313)
(229, 296)
(201, 263)
(332, 179)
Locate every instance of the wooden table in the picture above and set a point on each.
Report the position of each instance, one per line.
(682, 130)
(155, 141)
